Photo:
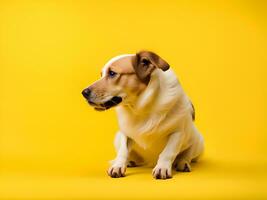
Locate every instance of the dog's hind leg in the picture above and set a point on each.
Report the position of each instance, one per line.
(183, 160)
(135, 159)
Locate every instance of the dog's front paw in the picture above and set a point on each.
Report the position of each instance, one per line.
(117, 171)
(162, 172)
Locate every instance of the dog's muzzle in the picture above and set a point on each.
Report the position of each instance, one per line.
(112, 102)
(109, 104)
(103, 106)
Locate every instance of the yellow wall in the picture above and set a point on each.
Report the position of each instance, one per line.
(51, 50)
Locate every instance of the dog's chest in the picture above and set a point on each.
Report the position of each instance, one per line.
(143, 130)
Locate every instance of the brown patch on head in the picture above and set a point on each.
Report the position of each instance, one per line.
(122, 66)
(126, 77)
(118, 79)
(145, 62)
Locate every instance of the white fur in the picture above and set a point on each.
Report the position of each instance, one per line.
(158, 126)
(112, 60)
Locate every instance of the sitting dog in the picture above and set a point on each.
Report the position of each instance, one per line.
(155, 115)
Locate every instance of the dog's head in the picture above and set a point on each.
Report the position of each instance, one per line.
(123, 78)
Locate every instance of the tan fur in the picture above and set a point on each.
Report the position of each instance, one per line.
(154, 113)
(125, 82)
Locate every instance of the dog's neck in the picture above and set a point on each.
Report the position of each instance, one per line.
(139, 103)
(162, 91)
(149, 95)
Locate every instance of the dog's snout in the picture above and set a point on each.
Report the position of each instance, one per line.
(86, 93)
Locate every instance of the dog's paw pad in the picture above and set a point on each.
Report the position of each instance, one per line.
(116, 172)
(162, 172)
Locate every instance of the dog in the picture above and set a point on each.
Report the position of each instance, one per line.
(155, 115)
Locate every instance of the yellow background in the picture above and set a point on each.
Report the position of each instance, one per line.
(53, 145)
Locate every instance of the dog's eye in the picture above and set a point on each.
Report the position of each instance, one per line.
(111, 73)
(145, 61)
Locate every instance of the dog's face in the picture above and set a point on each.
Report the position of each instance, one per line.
(123, 78)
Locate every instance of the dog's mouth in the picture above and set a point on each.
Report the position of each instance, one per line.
(107, 105)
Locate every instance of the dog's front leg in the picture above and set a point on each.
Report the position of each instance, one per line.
(163, 169)
(118, 167)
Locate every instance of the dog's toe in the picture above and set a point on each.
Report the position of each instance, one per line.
(187, 168)
(183, 166)
(161, 172)
(116, 171)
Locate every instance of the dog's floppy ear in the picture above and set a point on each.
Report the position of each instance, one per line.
(145, 62)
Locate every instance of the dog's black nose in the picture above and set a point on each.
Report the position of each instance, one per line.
(86, 93)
